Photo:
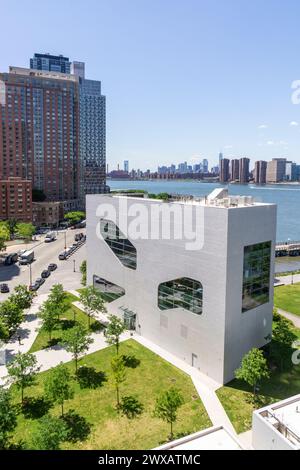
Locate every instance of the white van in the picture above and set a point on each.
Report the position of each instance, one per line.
(50, 237)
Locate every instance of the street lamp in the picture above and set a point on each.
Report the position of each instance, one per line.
(74, 270)
(65, 233)
(30, 274)
(292, 278)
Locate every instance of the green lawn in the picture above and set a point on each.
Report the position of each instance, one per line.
(109, 429)
(67, 321)
(288, 298)
(237, 398)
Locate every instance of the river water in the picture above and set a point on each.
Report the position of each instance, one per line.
(286, 196)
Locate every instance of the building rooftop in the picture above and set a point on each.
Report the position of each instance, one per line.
(42, 73)
(217, 198)
(285, 418)
(214, 438)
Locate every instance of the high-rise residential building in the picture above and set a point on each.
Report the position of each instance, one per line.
(260, 172)
(39, 113)
(176, 306)
(126, 166)
(16, 199)
(224, 170)
(290, 171)
(235, 170)
(244, 170)
(276, 170)
(50, 63)
(92, 137)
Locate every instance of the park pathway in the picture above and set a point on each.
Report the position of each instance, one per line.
(290, 316)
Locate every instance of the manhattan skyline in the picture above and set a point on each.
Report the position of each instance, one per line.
(183, 81)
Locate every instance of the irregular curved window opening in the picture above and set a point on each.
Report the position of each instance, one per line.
(109, 290)
(121, 246)
(183, 292)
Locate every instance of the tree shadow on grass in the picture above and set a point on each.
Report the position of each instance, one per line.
(34, 408)
(88, 377)
(67, 324)
(52, 342)
(131, 361)
(78, 429)
(96, 327)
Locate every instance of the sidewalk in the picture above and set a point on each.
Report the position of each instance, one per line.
(290, 316)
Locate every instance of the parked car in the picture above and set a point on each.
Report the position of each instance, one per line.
(45, 273)
(62, 255)
(34, 287)
(4, 288)
(40, 281)
(78, 236)
(52, 267)
(11, 259)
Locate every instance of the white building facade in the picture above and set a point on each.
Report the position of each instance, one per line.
(208, 306)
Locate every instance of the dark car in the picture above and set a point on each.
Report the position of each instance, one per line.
(34, 287)
(78, 236)
(45, 273)
(52, 267)
(11, 259)
(40, 281)
(4, 288)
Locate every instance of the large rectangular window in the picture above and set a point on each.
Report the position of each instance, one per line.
(256, 276)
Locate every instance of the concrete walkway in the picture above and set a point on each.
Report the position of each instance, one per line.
(290, 316)
(287, 280)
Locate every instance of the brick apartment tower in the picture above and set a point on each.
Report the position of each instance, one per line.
(39, 114)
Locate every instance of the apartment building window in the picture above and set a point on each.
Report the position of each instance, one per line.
(256, 275)
(183, 292)
(121, 246)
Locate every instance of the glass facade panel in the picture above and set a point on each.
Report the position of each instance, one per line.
(256, 276)
(121, 246)
(184, 292)
(109, 290)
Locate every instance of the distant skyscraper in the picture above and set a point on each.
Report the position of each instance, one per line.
(220, 159)
(50, 63)
(205, 165)
(224, 170)
(244, 170)
(260, 172)
(126, 166)
(235, 170)
(276, 170)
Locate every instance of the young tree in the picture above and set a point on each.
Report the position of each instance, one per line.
(22, 371)
(92, 301)
(114, 330)
(4, 333)
(11, 315)
(119, 374)
(22, 296)
(48, 315)
(167, 405)
(8, 417)
(4, 235)
(74, 217)
(283, 338)
(51, 431)
(83, 272)
(11, 225)
(58, 298)
(25, 230)
(57, 386)
(76, 340)
(253, 369)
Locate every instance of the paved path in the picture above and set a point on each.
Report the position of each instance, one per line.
(290, 316)
(286, 280)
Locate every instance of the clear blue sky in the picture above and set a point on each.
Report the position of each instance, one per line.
(183, 79)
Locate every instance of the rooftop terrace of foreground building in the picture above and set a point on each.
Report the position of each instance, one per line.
(217, 198)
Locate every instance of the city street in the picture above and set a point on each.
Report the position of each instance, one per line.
(44, 254)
